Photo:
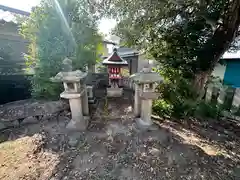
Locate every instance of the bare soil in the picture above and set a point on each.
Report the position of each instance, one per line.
(114, 147)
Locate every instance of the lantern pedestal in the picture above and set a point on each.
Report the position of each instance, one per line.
(78, 121)
(137, 101)
(114, 92)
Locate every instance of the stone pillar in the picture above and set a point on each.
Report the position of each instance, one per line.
(85, 101)
(76, 109)
(90, 91)
(221, 97)
(137, 102)
(236, 100)
(78, 122)
(209, 93)
(146, 112)
(91, 98)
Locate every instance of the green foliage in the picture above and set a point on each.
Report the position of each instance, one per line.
(210, 110)
(187, 108)
(162, 108)
(177, 96)
(179, 100)
(55, 30)
(102, 69)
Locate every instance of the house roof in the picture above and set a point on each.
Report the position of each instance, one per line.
(109, 42)
(8, 14)
(126, 52)
(13, 10)
(231, 55)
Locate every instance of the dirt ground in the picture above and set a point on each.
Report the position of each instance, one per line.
(114, 147)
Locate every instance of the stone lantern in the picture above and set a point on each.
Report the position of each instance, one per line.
(76, 93)
(145, 85)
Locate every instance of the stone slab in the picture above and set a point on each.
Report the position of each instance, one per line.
(114, 92)
(67, 95)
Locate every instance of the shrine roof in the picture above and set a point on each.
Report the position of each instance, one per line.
(146, 76)
(115, 59)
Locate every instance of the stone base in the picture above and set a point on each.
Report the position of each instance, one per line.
(114, 92)
(143, 125)
(92, 100)
(67, 95)
(78, 125)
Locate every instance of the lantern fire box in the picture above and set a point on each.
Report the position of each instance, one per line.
(114, 65)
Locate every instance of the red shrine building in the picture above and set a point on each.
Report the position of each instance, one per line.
(114, 64)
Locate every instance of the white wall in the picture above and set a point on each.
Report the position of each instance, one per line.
(143, 61)
(219, 71)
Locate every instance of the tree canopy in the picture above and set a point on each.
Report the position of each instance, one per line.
(187, 35)
(57, 29)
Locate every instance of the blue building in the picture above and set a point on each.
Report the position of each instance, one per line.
(228, 69)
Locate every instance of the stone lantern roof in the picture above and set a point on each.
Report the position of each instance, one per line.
(67, 75)
(115, 59)
(74, 76)
(146, 76)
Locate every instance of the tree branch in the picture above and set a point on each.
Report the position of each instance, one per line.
(223, 36)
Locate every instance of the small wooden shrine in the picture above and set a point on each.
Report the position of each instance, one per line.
(114, 65)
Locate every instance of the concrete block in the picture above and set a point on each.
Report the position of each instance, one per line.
(114, 92)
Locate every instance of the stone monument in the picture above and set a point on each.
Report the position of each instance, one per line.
(91, 97)
(76, 93)
(114, 64)
(145, 85)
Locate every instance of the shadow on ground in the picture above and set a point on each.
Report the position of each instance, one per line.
(114, 148)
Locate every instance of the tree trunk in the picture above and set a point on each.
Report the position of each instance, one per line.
(91, 68)
(200, 81)
(216, 46)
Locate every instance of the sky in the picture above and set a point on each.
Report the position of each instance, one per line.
(105, 26)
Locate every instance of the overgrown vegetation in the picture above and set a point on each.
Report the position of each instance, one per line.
(55, 30)
(179, 100)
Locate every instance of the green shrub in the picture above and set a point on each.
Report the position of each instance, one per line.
(210, 110)
(177, 96)
(179, 100)
(162, 108)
